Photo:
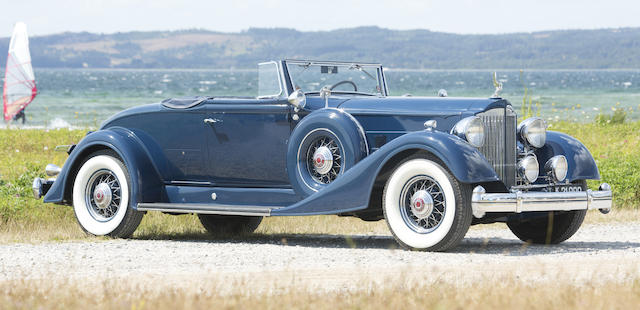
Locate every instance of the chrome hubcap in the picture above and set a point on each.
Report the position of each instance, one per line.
(102, 195)
(322, 160)
(422, 204)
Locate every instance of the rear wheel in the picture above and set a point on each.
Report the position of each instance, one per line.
(101, 197)
(229, 224)
(426, 208)
(549, 227)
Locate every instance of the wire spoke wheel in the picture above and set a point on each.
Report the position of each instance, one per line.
(324, 159)
(103, 195)
(422, 204)
(425, 206)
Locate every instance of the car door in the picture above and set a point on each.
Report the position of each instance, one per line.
(247, 141)
(175, 137)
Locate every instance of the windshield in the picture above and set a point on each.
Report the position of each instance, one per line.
(310, 77)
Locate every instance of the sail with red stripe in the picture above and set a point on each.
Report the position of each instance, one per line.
(19, 80)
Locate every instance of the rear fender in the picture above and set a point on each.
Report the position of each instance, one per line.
(146, 183)
(352, 191)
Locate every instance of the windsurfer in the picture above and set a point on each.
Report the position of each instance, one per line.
(19, 81)
(20, 115)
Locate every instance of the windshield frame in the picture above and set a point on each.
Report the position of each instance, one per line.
(379, 74)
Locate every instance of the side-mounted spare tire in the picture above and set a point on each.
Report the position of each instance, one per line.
(324, 145)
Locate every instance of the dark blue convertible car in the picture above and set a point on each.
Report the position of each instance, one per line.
(326, 138)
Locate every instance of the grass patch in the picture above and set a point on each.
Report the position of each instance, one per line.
(25, 153)
(616, 149)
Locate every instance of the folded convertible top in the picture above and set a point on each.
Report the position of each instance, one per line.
(184, 103)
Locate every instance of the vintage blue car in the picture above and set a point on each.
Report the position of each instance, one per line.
(325, 137)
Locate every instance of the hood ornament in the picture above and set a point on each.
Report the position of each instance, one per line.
(497, 85)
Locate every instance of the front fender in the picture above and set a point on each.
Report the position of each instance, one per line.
(146, 183)
(351, 191)
(582, 166)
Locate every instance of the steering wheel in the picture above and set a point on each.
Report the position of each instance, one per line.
(355, 87)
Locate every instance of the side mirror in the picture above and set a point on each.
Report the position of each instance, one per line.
(297, 99)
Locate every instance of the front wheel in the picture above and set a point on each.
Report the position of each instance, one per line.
(426, 208)
(550, 227)
(101, 197)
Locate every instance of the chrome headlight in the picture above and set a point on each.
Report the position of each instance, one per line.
(533, 131)
(557, 167)
(471, 129)
(528, 168)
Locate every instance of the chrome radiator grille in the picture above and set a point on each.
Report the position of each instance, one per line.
(500, 143)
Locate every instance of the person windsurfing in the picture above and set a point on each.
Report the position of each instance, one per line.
(20, 115)
(19, 81)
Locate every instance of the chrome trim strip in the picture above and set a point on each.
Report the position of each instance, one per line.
(190, 182)
(206, 209)
(330, 62)
(388, 131)
(482, 202)
(391, 112)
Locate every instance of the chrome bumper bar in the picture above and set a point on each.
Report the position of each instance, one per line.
(483, 202)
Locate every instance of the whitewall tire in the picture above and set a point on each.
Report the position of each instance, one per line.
(426, 208)
(101, 197)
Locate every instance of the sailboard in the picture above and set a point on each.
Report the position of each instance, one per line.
(19, 81)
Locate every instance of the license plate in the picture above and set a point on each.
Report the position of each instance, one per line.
(569, 188)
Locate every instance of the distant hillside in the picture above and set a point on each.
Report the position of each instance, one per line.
(577, 49)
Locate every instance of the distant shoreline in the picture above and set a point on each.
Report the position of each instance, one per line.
(386, 69)
(197, 48)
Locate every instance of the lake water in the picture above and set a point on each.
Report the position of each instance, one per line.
(85, 98)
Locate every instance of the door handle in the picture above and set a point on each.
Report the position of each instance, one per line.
(212, 120)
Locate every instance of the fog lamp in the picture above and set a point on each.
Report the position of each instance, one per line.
(528, 168)
(557, 167)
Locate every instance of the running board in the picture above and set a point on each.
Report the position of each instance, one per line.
(207, 209)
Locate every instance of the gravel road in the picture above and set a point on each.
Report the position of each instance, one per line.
(596, 253)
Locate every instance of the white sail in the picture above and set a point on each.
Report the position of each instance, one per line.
(19, 80)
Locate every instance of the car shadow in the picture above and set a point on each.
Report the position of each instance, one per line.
(507, 247)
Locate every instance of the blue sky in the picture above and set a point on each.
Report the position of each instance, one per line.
(458, 16)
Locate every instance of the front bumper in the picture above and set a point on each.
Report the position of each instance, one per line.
(483, 202)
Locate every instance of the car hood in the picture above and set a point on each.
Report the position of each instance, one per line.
(406, 114)
(425, 106)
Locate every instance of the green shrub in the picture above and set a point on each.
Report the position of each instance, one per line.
(616, 150)
(618, 117)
